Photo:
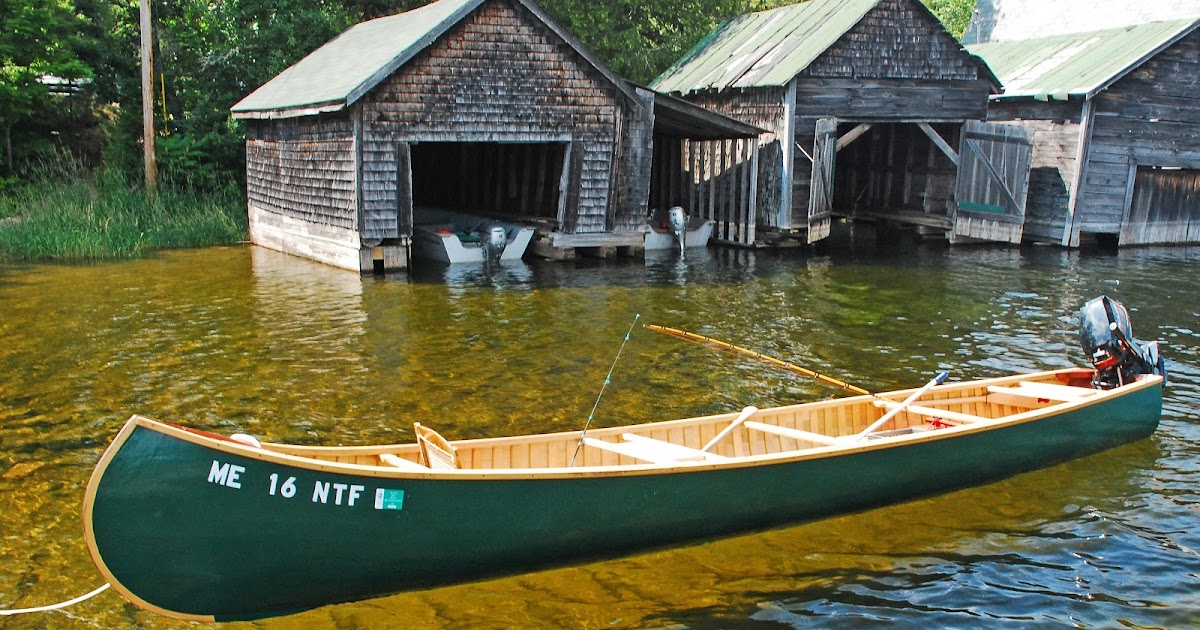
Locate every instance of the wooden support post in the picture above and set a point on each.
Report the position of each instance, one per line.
(148, 153)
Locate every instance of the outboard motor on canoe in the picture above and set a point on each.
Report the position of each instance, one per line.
(494, 243)
(1107, 339)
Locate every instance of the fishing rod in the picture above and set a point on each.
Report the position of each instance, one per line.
(607, 379)
(728, 347)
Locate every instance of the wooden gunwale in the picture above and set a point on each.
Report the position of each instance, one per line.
(308, 457)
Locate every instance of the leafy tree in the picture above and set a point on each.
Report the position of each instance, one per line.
(640, 39)
(35, 53)
(955, 14)
(211, 54)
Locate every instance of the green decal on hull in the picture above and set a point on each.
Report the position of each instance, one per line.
(389, 499)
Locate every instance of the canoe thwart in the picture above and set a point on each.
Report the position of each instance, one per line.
(795, 434)
(944, 414)
(1044, 391)
(399, 462)
(650, 450)
(683, 453)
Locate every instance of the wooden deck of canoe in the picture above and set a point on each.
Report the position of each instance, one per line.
(795, 430)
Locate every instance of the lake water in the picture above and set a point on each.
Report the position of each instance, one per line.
(244, 339)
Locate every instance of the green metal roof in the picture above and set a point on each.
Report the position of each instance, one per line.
(763, 49)
(332, 76)
(1078, 64)
(350, 65)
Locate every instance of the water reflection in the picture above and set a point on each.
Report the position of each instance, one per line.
(506, 274)
(243, 339)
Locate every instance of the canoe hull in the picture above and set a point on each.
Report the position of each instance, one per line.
(194, 532)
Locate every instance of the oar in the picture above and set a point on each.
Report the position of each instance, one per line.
(728, 347)
(937, 380)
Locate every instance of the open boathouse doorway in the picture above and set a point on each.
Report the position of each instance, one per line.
(965, 180)
(510, 180)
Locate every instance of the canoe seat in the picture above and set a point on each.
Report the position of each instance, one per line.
(1044, 391)
(652, 450)
(795, 434)
(944, 414)
(401, 463)
(436, 451)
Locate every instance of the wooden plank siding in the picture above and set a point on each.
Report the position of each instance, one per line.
(1149, 118)
(897, 64)
(718, 183)
(1054, 128)
(303, 168)
(499, 76)
(1165, 207)
(763, 108)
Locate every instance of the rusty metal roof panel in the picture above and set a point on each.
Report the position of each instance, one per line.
(1077, 64)
(763, 49)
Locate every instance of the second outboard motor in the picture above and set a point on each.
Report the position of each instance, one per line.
(494, 243)
(1107, 339)
(678, 221)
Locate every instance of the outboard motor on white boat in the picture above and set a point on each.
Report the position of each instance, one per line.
(494, 243)
(678, 221)
(1107, 339)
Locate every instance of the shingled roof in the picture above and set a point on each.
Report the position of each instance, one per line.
(343, 70)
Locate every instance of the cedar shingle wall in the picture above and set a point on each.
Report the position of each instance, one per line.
(895, 40)
(497, 76)
(303, 168)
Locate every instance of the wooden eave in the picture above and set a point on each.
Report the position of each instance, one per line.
(682, 119)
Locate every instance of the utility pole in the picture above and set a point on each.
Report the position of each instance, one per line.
(148, 100)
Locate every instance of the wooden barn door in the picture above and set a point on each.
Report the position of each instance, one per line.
(820, 194)
(1164, 207)
(993, 182)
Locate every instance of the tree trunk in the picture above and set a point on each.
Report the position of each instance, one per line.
(8, 156)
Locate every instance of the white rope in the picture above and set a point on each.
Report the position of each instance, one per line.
(71, 602)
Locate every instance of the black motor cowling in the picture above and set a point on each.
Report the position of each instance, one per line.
(1107, 339)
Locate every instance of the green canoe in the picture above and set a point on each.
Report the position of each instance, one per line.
(201, 526)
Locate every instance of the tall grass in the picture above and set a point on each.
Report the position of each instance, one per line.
(69, 216)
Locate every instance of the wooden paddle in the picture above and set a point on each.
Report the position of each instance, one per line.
(742, 417)
(937, 380)
(728, 347)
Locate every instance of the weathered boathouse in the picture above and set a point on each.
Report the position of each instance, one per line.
(872, 110)
(1114, 116)
(486, 105)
